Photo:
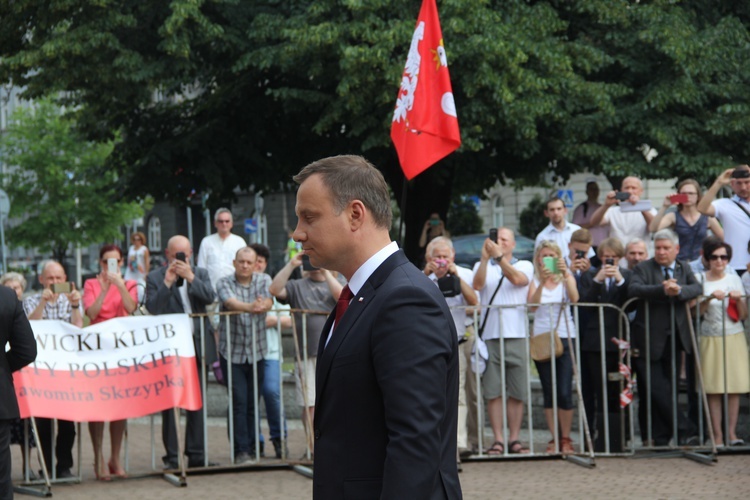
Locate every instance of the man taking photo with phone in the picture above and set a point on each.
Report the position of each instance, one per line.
(61, 301)
(173, 289)
(733, 213)
(455, 284)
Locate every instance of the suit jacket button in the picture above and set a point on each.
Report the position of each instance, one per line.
(317, 433)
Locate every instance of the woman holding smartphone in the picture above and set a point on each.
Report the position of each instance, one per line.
(552, 286)
(690, 225)
(105, 297)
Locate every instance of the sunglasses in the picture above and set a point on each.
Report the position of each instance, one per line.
(724, 257)
(220, 221)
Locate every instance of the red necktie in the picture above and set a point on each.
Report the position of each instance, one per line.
(342, 304)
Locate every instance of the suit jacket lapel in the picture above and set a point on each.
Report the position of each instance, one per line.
(357, 306)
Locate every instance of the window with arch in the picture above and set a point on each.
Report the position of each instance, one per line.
(498, 218)
(154, 234)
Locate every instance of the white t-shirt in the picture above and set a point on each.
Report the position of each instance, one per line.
(736, 226)
(216, 255)
(514, 319)
(626, 226)
(458, 303)
(545, 317)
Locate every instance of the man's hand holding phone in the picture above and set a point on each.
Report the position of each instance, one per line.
(178, 271)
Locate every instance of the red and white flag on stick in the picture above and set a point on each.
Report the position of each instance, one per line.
(425, 124)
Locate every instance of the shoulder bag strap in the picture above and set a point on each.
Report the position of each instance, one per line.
(741, 207)
(487, 315)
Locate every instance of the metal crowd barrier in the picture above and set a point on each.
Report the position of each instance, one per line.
(585, 452)
(698, 445)
(41, 486)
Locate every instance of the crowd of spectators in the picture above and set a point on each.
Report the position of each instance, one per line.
(697, 260)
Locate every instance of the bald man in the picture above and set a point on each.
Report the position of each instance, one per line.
(166, 295)
(63, 307)
(625, 226)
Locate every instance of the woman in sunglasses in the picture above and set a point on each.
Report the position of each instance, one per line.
(723, 348)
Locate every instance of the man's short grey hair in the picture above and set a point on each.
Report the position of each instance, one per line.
(436, 242)
(635, 241)
(667, 234)
(223, 210)
(43, 265)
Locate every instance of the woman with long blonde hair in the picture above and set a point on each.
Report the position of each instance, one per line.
(553, 287)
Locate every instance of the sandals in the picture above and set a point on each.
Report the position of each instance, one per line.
(516, 448)
(497, 448)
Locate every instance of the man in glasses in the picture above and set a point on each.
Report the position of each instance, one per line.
(216, 255)
(733, 213)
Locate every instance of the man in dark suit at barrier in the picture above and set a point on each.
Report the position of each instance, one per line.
(387, 371)
(181, 288)
(664, 285)
(16, 332)
(607, 284)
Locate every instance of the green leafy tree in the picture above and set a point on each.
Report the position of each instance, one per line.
(255, 90)
(60, 192)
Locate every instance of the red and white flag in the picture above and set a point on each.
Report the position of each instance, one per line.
(122, 368)
(425, 124)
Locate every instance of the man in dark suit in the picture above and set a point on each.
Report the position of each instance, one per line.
(607, 284)
(664, 285)
(16, 331)
(387, 371)
(180, 288)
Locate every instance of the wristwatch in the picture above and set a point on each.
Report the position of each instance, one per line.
(498, 259)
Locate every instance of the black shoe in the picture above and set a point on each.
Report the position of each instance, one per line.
(170, 464)
(195, 463)
(690, 441)
(64, 474)
(280, 453)
(262, 449)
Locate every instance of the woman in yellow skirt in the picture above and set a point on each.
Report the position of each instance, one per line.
(723, 339)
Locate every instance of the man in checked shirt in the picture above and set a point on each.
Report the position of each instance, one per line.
(245, 292)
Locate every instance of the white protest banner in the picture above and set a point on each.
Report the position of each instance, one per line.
(121, 368)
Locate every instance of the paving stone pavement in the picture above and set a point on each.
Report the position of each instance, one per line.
(611, 478)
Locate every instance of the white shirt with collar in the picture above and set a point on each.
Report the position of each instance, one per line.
(361, 275)
(216, 255)
(561, 237)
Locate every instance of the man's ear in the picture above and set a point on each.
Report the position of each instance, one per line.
(357, 214)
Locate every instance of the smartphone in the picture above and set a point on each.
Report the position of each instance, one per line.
(61, 287)
(609, 262)
(678, 198)
(180, 256)
(580, 254)
(551, 264)
(493, 234)
(622, 196)
(112, 266)
(307, 265)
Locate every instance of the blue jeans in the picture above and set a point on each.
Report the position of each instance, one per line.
(564, 373)
(243, 404)
(271, 392)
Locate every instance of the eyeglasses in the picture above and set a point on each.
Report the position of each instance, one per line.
(723, 257)
(223, 221)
